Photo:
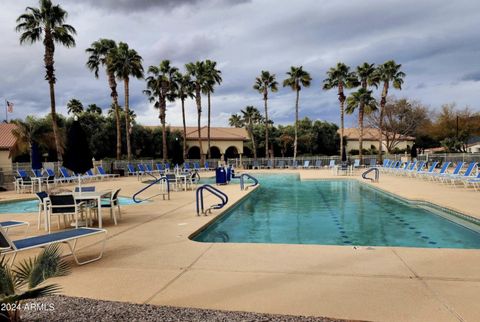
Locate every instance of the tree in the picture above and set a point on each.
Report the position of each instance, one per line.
(94, 108)
(401, 119)
(367, 76)
(100, 55)
(341, 78)
(213, 77)
(364, 101)
(184, 87)
(23, 282)
(248, 119)
(388, 73)
(29, 131)
(161, 87)
(126, 62)
(48, 23)
(197, 72)
(297, 78)
(74, 106)
(263, 84)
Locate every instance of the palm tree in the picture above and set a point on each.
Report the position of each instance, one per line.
(161, 87)
(47, 22)
(367, 76)
(249, 117)
(297, 78)
(366, 104)
(100, 55)
(23, 282)
(388, 72)
(184, 91)
(197, 71)
(213, 78)
(94, 108)
(126, 62)
(29, 131)
(341, 78)
(74, 106)
(263, 84)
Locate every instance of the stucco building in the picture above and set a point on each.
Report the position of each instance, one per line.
(370, 139)
(7, 140)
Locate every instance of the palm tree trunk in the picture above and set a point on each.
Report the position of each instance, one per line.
(341, 98)
(267, 154)
(127, 119)
(198, 100)
(50, 75)
(113, 88)
(250, 132)
(360, 126)
(383, 101)
(208, 127)
(184, 130)
(296, 125)
(163, 108)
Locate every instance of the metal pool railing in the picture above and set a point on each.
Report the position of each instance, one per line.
(214, 191)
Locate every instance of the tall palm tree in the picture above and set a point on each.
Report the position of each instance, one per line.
(126, 62)
(388, 72)
(297, 78)
(341, 78)
(161, 87)
(213, 77)
(367, 76)
(263, 84)
(198, 73)
(235, 120)
(47, 23)
(184, 91)
(366, 104)
(74, 106)
(94, 108)
(100, 55)
(28, 131)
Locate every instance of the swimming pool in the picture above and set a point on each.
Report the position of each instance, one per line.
(336, 212)
(23, 206)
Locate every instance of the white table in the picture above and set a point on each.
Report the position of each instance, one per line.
(94, 195)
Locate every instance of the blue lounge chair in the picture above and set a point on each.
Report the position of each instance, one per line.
(104, 174)
(430, 170)
(13, 224)
(356, 164)
(419, 167)
(255, 165)
(186, 167)
(66, 177)
(456, 171)
(131, 170)
(331, 164)
(373, 163)
(318, 164)
(167, 167)
(306, 164)
(196, 166)
(69, 237)
(90, 175)
(207, 167)
(38, 173)
(281, 164)
(442, 171)
(294, 164)
(475, 182)
(160, 168)
(23, 181)
(465, 176)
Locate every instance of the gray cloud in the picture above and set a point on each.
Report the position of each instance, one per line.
(475, 76)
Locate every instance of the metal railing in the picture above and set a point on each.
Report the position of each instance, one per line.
(248, 176)
(214, 191)
(377, 174)
(157, 181)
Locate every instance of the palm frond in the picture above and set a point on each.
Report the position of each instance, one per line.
(33, 293)
(7, 279)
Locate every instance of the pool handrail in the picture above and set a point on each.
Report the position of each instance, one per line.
(242, 181)
(377, 174)
(214, 191)
(134, 197)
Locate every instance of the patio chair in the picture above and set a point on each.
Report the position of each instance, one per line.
(186, 167)
(41, 196)
(13, 224)
(63, 206)
(131, 170)
(160, 168)
(445, 175)
(112, 203)
(23, 182)
(69, 237)
(318, 164)
(281, 164)
(442, 171)
(356, 164)
(196, 166)
(294, 164)
(269, 164)
(332, 163)
(90, 175)
(104, 174)
(167, 167)
(66, 177)
(372, 163)
(37, 173)
(207, 166)
(419, 167)
(465, 176)
(430, 170)
(255, 165)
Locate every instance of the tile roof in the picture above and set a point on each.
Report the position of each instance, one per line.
(7, 140)
(369, 134)
(216, 133)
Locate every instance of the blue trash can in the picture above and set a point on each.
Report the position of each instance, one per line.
(220, 176)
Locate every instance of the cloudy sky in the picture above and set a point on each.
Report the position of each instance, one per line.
(436, 41)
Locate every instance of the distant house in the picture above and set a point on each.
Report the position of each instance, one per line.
(7, 141)
(473, 145)
(370, 140)
(224, 141)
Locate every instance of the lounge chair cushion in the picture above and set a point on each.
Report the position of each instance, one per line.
(53, 238)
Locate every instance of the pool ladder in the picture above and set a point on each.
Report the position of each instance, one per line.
(156, 181)
(214, 191)
(377, 174)
(242, 181)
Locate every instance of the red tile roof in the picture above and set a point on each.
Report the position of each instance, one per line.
(216, 133)
(7, 140)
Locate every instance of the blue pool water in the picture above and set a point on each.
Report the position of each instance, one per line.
(342, 212)
(16, 207)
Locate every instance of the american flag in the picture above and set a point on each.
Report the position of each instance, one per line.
(9, 107)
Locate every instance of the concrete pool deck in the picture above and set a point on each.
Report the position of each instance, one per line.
(149, 259)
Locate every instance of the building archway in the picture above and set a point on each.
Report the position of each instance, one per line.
(215, 152)
(231, 153)
(193, 152)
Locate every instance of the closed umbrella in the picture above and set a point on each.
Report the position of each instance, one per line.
(77, 157)
(413, 151)
(36, 157)
(344, 154)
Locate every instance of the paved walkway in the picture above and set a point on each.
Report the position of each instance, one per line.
(149, 259)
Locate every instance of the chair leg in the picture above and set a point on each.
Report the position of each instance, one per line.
(39, 219)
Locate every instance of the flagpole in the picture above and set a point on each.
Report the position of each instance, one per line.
(6, 111)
